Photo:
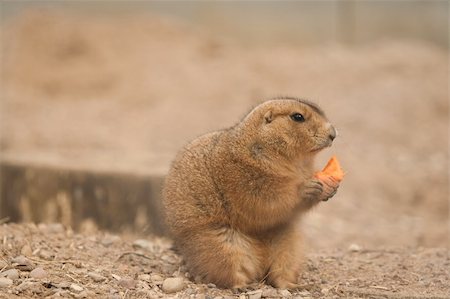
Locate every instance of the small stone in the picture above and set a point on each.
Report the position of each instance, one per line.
(51, 228)
(284, 293)
(255, 294)
(269, 292)
(42, 226)
(354, 248)
(143, 244)
(211, 285)
(304, 293)
(108, 240)
(22, 263)
(96, 277)
(83, 294)
(173, 284)
(145, 277)
(46, 254)
(12, 274)
(116, 277)
(38, 273)
(127, 283)
(242, 296)
(21, 260)
(26, 250)
(55, 228)
(76, 288)
(325, 291)
(26, 285)
(156, 279)
(5, 282)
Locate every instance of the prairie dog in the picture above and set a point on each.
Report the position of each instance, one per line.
(233, 198)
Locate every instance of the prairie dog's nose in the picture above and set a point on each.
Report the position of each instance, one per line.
(333, 133)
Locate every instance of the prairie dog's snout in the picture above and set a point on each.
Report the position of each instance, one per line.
(332, 132)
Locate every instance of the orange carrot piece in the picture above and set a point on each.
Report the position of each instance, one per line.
(332, 169)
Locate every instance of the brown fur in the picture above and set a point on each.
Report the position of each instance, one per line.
(233, 198)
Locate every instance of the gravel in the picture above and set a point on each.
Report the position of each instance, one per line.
(118, 271)
(12, 274)
(22, 263)
(173, 284)
(255, 294)
(127, 283)
(76, 288)
(96, 277)
(284, 293)
(38, 273)
(26, 250)
(143, 244)
(5, 282)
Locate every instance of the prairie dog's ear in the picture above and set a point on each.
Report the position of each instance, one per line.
(268, 117)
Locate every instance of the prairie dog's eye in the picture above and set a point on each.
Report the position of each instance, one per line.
(297, 117)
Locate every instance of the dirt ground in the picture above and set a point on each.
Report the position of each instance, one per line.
(123, 94)
(54, 262)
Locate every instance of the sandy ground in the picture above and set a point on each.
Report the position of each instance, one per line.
(52, 262)
(124, 94)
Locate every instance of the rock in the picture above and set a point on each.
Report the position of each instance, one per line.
(255, 294)
(12, 274)
(76, 288)
(96, 277)
(22, 263)
(55, 228)
(51, 228)
(173, 284)
(127, 283)
(116, 277)
(108, 240)
(38, 273)
(354, 248)
(284, 293)
(20, 260)
(325, 291)
(26, 285)
(46, 254)
(157, 279)
(143, 244)
(269, 292)
(5, 282)
(304, 293)
(26, 250)
(145, 277)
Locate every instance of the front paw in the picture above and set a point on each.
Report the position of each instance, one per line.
(330, 186)
(312, 191)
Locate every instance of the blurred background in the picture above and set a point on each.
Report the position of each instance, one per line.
(97, 97)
